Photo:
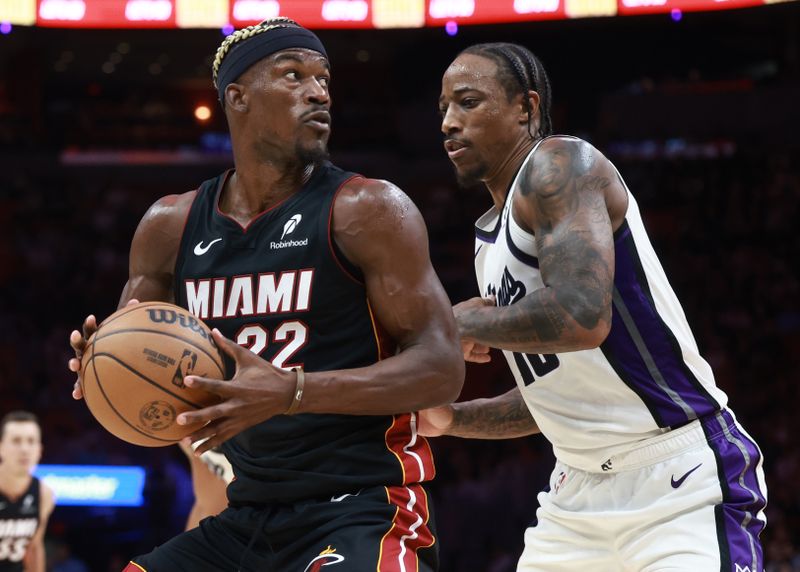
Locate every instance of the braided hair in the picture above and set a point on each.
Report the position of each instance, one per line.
(244, 34)
(520, 71)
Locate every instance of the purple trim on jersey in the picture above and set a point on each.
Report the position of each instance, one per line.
(523, 257)
(623, 232)
(738, 524)
(489, 236)
(642, 349)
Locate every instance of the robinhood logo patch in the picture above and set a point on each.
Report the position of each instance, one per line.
(289, 228)
(291, 224)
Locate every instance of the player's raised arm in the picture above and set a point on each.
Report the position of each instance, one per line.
(562, 201)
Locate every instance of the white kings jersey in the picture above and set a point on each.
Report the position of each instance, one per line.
(646, 377)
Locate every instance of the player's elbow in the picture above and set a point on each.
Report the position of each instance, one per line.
(595, 337)
(591, 312)
(449, 377)
(594, 328)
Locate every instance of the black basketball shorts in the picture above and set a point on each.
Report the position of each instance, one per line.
(383, 529)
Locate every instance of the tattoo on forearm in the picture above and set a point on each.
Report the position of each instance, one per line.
(503, 417)
(575, 248)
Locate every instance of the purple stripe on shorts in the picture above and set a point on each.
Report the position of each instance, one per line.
(738, 517)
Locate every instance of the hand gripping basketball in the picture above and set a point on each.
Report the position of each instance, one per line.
(133, 368)
(78, 342)
(257, 391)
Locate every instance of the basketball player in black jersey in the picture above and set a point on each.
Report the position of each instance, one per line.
(25, 502)
(320, 288)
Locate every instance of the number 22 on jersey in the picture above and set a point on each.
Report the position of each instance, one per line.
(256, 338)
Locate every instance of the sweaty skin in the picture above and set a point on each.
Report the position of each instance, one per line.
(278, 116)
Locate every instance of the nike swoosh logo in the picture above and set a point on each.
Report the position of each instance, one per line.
(200, 250)
(679, 482)
(342, 497)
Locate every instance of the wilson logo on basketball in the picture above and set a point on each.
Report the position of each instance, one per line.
(159, 316)
(327, 557)
(157, 415)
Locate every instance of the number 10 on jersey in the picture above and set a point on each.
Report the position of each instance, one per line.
(539, 364)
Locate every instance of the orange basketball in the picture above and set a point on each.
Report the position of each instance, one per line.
(133, 369)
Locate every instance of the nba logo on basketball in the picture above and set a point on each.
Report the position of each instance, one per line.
(325, 558)
(185, 367)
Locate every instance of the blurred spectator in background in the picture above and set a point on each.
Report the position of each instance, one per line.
(25, 502)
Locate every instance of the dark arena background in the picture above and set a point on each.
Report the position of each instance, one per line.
(107, 107)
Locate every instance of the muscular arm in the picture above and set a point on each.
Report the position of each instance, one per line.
(379, 229)
(154, 250)
(563, 202)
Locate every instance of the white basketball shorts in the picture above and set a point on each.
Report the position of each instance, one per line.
(691, 500)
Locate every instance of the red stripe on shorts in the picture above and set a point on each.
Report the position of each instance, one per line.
(411, 449)
(409, 531)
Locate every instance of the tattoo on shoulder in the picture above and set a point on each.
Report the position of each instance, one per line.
(561, 183)
(565, 192)
(551, 171)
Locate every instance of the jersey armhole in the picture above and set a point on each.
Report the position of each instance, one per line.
(179, 260)
(348, 268)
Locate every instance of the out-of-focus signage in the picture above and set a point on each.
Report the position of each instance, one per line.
(18, 12)
(94, 485)
(106, 13)
(440, 12)
(627, 7)
(201, 13)
(310, 13)
(229, 14)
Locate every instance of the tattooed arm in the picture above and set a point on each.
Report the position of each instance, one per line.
(502, 417)
(563, 202)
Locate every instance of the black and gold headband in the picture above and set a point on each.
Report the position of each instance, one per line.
(254, 45)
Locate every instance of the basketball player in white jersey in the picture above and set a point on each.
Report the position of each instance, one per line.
(653, 472)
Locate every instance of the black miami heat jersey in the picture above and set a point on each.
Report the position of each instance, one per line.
(18, 523)
(280, 288)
